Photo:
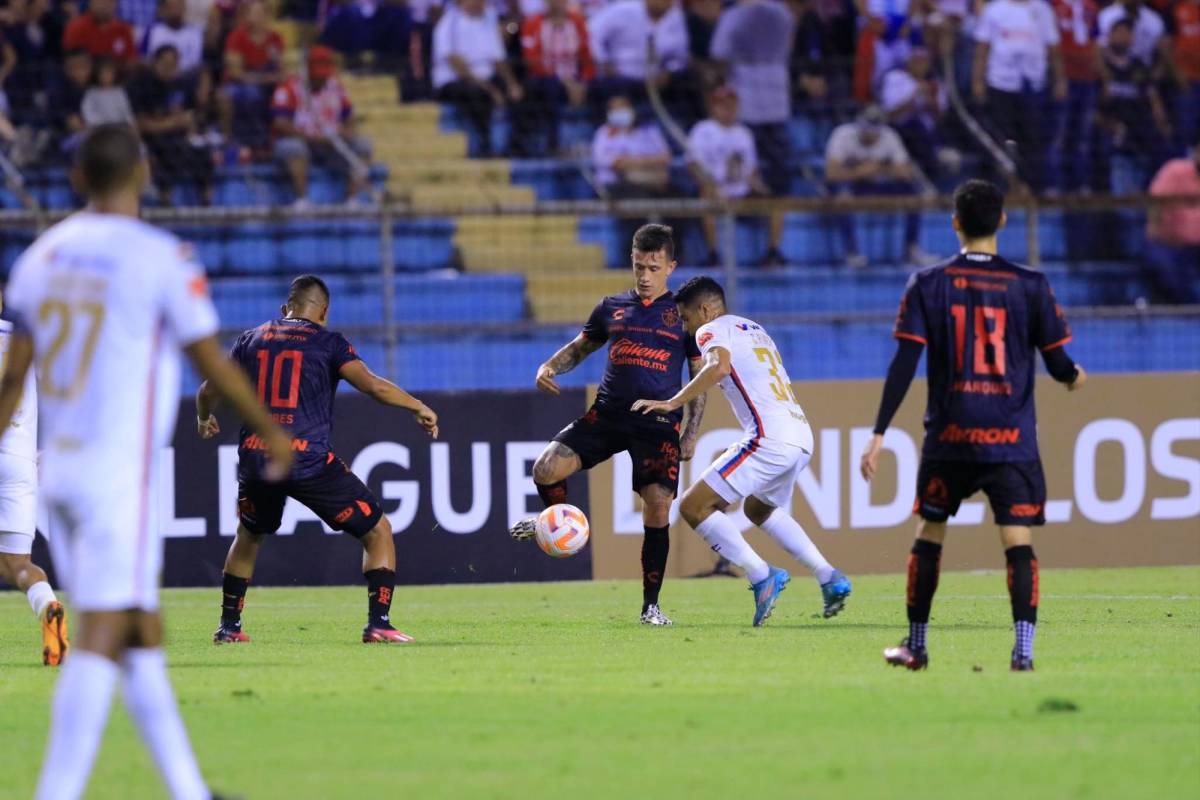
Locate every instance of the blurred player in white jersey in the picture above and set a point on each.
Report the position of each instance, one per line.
(18, 516)
(742, 359)
(103, 303)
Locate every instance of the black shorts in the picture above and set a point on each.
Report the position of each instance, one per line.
(653, 446)
(1015, 490)
(335, 494)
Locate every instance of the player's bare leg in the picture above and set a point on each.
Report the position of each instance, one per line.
(550, 472)
(656, 545)
(704, 510)
(112, 646)
(239, 569)
(19, 571)
(924, 569)
(780, 526)
(379, 568)
(1022, 591)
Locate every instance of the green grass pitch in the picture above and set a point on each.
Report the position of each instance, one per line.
(553, 690)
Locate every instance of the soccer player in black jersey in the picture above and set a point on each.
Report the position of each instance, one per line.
(647, 351)
(296, 364)
(982, 319)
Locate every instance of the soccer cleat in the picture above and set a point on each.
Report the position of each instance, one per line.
(835, 591)
(54, 634)
(653, 615)
(377, 633)
(523, 530)
(229, 635)
(1020, 664)
(904, 656)
(766, 592)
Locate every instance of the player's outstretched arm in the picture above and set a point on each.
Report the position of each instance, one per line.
(899, 378)
(358, 375)
(20, 357)
(695, 414)
(566, 359)
(228, 381)
(717, 367)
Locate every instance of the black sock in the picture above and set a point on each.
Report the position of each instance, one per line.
(924, 567)
(233, 599)
(552, 493)
(380, 583)
(1023, 583)
(655, 546)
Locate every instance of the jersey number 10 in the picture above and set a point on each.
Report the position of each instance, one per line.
(273, 373)
(988, 337)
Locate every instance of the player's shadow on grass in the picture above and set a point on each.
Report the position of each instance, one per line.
(818, 624)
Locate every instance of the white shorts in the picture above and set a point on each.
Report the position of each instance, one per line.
(761, 468)
(107, 549)
(18, 504)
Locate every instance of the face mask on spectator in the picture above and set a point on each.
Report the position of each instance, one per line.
(620, 117)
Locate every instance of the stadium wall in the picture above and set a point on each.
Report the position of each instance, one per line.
(1122, 462)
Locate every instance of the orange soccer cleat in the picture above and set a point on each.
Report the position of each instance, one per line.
(54, 634)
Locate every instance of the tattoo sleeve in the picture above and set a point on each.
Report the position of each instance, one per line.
(695, 409)
(571, 354)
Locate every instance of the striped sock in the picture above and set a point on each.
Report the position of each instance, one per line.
(1025, 632)
(916, 635)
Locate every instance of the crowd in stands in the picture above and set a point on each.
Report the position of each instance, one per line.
(1065, 87)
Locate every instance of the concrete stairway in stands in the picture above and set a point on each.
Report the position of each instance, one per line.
(430, 168)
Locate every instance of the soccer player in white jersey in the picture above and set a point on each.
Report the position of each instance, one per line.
(103, 303)
(18, 516)
(741, 358)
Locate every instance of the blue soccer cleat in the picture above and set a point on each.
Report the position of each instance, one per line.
(766, 592)
(835, 591)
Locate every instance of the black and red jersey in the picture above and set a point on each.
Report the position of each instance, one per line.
(295, 366)
(983, 320)
(647, 350)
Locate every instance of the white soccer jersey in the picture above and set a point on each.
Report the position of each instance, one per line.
(108, 300)
(758, 389)
(21, 437)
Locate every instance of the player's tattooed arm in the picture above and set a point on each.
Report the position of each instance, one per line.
(380, 389)
(566, 359)
(695, 414)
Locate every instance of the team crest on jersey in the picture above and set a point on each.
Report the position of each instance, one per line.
(704, 339)
(671, 317)
(619, 314)
(936, 492)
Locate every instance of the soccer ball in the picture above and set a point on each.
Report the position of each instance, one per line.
(562, 530)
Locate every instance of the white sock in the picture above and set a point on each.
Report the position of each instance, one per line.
(82, 699)
(785, 530)
(151, 703)
(40, 595)
(726, 540)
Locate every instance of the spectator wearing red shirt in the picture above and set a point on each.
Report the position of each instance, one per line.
(1183, 22)
(558, 64)
(1074, 138)
(252, 68)
(314, 122)
(101, 33)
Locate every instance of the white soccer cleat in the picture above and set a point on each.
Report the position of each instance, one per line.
(653, 615)
(523, 530)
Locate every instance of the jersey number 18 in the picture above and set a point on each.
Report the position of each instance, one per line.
(989, 323)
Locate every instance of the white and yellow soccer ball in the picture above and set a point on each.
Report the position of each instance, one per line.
(562, 530)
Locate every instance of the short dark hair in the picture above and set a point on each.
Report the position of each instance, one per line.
(162, 50)
(1124, 22)
(699, 289)
(652, 237)
(978, 207)
(107, 158)
(302, 289)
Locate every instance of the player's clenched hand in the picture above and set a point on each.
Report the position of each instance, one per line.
(279, 454)
(545, 379)
(653, 406)
(427, 419)
(1079, 381)
(870, 457)
(208, 428)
